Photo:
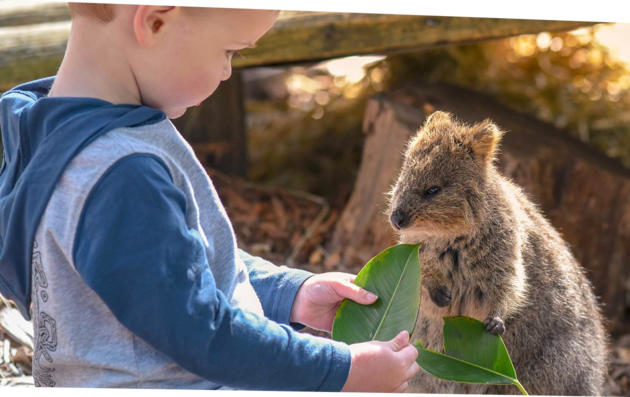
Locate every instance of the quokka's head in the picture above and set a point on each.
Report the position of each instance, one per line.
(439, 192)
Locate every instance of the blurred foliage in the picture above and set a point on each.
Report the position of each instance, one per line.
(568, 79)
(310, 139)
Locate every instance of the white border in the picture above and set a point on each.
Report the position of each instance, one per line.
(600, 11)
(104, 392)
(591, 11)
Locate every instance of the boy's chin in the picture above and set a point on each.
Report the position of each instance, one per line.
(175, 113)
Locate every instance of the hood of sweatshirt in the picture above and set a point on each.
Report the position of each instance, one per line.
(40, 136)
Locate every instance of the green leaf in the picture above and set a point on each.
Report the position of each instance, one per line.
(394, 276)
(452, 368)
(467, 338)
(472, 355)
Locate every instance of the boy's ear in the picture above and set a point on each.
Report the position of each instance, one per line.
(149, 22)
(484, 138)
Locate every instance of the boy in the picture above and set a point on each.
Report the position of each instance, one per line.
(105, 211)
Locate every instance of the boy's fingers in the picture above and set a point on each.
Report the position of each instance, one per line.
(343, 276)
(350, 277)
(410, 353)
(402, 387)
(352, 291)
(400, 341)
(412, 370)
(414, 352)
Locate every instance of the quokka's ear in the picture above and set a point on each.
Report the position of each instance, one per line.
(431, 126)
(484, 139)
(437, 117)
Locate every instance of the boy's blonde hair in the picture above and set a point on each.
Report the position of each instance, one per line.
(102, 12)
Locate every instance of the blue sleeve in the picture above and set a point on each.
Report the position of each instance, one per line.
(134, 249)
(275, 286)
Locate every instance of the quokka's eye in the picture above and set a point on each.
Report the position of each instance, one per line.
(432, 191)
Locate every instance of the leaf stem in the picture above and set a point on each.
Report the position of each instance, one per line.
(520, 387)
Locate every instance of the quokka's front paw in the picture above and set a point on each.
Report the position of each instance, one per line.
(494, 325)
(440, 295)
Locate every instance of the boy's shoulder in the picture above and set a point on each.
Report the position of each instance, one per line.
(42, 136)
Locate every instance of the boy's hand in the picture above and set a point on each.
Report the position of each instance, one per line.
(382, 366)
(319, 297)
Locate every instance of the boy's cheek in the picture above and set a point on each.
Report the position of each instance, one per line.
(185, 88)
(198, 88)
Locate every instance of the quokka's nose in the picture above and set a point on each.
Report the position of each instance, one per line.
(399, 219)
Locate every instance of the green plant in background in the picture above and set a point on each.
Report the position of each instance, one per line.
(318, 120)
(471, 354)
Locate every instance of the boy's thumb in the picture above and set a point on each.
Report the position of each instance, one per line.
(401, 340)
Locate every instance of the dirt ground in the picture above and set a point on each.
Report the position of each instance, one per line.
(292, 228)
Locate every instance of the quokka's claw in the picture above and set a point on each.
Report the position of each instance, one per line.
(494, 325)
(441, 296)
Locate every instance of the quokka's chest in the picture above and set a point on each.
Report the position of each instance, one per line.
(452, 285)
(450, 265)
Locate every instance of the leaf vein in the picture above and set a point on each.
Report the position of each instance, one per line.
(389, 304)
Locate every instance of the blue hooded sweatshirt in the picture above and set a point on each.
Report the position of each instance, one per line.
(39, 139)
(113, 238)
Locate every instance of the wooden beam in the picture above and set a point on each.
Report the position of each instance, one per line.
(29, 12)
(30, 52)
(305, 36)
(296, 37)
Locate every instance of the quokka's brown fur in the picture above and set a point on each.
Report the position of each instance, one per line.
(488, 253)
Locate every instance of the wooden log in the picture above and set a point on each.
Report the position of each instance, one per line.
(296, 37)
(20, 381)
(311, 36)
(363, 229)
(30, 12)
(31, 52)
(584, 194)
